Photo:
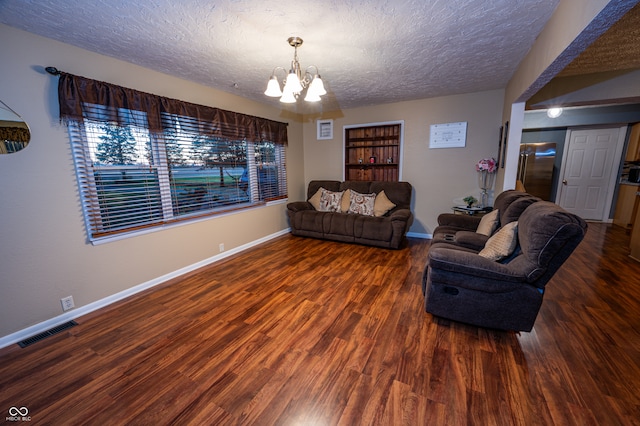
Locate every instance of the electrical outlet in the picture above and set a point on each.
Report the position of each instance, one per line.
(221, 246)
(67, 303)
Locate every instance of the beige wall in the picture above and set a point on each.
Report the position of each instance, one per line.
(44, 254)
(439, 176)
(552, 51)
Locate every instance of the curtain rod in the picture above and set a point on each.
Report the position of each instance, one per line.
(53, 70)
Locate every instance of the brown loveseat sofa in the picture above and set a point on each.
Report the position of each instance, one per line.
(387, 230)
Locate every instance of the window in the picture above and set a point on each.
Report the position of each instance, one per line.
(133, 176)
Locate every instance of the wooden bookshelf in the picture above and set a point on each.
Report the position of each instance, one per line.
(372, 152)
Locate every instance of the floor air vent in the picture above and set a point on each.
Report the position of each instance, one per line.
(55, 330)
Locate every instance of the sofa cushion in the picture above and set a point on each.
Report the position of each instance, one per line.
(516, 208)
(469, 239)
(363, 187)
(330, 201)
(315, 199)
(502, 244)
(505, 198)
(382, 204)
(398, 192)
(361, 203)
(315, 185)
(339, 226)
(372, 228)
(307, 223)
(545, 229)
(488, 223)
(346, 200)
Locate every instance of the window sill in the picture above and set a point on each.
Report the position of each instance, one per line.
(276, 202)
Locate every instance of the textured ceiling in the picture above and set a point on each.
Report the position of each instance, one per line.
(617, 49)
(368, 51)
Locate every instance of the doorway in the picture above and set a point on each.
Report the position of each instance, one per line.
(589, 171)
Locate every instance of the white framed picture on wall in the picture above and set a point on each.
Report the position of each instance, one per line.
(448, 135)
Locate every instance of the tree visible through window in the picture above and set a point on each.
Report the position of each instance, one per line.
(139, 169)
(117, 145)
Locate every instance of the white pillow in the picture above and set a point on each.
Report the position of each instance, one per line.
(362, 203)
(330, 201)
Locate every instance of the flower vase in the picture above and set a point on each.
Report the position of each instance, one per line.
(485, 182)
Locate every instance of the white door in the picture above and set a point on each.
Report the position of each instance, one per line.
(589, 170)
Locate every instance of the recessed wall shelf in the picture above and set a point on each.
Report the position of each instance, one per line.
(373, 152)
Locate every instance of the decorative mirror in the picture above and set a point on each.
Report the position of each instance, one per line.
(14, 132)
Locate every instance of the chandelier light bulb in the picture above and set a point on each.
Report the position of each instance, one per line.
(317, 86)
(312, 96)
(293, 83)
(287, 97)
(273, 88)
(296, 80)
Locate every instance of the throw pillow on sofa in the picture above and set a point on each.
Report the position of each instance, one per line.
(346, 201)
(362, 203)
(488, 223)
(315, 199)
(330, 201)
(382, 204)
(502, 244)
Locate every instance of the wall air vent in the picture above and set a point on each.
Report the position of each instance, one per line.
(55, 330)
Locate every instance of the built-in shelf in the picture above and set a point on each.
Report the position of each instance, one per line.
(372, 165)
(356, 146)
(381, 142)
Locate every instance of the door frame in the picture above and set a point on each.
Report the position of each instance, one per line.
(615, 174)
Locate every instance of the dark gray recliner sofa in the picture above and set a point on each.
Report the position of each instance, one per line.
(387, 231)
(462, 286)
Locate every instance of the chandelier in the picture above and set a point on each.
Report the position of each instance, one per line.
(295, 82)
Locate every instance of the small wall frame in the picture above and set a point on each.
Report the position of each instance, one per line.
(448, 135)
(325, 129)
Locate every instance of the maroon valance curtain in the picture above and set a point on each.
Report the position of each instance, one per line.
(79, 96)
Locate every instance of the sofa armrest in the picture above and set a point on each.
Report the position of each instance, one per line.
(487, 275)
(469, 223)
(297, 206)
(400, 214)
(471, 240)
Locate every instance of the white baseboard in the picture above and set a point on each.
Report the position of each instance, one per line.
(98, 304)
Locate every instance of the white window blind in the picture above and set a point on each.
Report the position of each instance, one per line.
(131, 179)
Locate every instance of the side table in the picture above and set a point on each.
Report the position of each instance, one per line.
(471, 211)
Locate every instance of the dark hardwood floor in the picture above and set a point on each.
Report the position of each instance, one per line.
(305, 332)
